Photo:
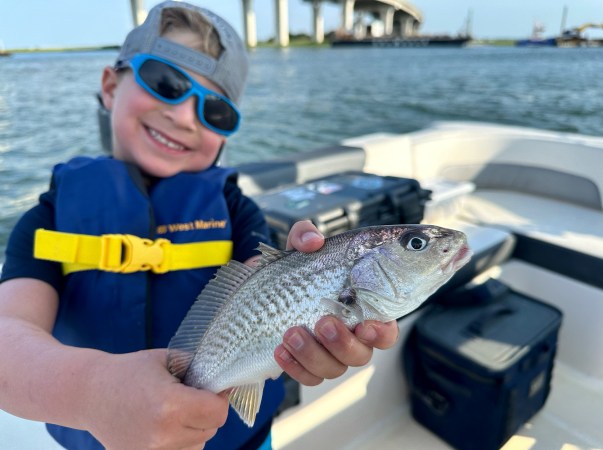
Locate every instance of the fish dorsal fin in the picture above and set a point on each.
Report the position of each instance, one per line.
(246, 401)
(217, 293)
(270, 254)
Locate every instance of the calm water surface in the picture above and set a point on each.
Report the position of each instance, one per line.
(301, 99)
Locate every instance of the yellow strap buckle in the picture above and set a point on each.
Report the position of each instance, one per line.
(135, 254)
(125, 253)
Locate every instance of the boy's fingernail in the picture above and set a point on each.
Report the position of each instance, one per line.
(367, 333)
(284, 354)
(295, 341)
(310, 236)
(328, 330)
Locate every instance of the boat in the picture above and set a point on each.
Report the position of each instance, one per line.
(569, 38)
(574, 37)
(411, 41)
(530, 202)
(533, 195)
(373, 35)
(3, 51)
(537, 39)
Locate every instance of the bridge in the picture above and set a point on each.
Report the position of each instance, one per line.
(399, 17)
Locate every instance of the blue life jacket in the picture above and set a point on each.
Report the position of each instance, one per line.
(127, 312)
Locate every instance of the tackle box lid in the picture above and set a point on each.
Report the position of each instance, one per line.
(343, 201)
(494, 334)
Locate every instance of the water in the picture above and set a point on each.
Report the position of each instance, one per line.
(300, 99)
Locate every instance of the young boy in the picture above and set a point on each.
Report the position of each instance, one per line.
(101, 272)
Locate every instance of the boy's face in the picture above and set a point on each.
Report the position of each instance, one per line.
(161, 139)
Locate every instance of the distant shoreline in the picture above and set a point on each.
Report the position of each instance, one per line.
(62, 49)
(293, 43)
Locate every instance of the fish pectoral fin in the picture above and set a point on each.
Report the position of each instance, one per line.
(246, 401)
(342, 310)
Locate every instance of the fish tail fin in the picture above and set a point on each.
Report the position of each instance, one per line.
(246, 400)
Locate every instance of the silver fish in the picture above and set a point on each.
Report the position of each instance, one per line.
(227, 340)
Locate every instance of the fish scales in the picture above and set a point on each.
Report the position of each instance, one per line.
(227, 340)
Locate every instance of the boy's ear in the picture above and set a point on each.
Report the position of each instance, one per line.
(108, 86)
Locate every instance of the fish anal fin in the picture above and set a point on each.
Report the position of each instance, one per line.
(246, 401)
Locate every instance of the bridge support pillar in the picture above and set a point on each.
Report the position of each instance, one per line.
(319, 23)
(387, 17)
(282, 23)
(359, 27)
(138, 11)
(347, 22)
(249, 22)
(407, 27)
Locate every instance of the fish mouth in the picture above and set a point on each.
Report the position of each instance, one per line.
(461, 258)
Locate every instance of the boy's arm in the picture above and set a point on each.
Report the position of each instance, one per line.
(310, 360)
(126, 401)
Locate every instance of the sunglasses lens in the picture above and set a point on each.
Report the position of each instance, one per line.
(171, 85)
(164, 80)
(219, 114)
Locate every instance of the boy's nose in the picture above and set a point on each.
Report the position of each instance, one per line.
(184, 114)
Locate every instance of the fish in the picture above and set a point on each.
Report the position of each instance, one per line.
(227, 339)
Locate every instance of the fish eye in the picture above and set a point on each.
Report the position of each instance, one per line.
(414, 241)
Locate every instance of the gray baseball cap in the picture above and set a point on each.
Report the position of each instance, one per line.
(229, 71)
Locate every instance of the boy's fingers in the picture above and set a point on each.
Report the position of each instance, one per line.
(311, 355)
(377, 334)
(341, 343)
(305, 237)
(294, 369)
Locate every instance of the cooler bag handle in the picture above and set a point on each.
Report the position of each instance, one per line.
(487, 320)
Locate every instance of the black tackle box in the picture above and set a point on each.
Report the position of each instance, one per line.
(480, 365)
(342, 202)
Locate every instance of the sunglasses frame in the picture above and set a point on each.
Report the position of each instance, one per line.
(196, 89)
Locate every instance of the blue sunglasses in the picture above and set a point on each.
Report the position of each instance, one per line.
(170, 84)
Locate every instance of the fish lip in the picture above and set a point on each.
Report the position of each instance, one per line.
(460, 258)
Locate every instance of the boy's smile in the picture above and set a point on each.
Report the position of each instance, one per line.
(165, 140)
(161, 139)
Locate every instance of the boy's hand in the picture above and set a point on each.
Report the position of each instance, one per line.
(141, 406)
(310, 360)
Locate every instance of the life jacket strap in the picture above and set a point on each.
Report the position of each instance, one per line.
(126, 253)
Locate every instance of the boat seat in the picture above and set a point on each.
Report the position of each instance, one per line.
(556, 235)
(257, 177)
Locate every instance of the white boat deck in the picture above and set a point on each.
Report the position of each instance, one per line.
(21, 434)
(369, 408)
(570, 420)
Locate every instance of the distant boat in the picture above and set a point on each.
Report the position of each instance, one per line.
(367, 36)
(543, 42)
(574, 37)
(414, 41)
(3, 52)
(537, 40)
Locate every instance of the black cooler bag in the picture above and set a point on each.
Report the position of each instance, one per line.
(479, 366)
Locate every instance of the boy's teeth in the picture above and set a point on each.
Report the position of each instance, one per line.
(162, 139)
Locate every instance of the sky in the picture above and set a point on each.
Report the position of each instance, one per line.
(81, 23)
